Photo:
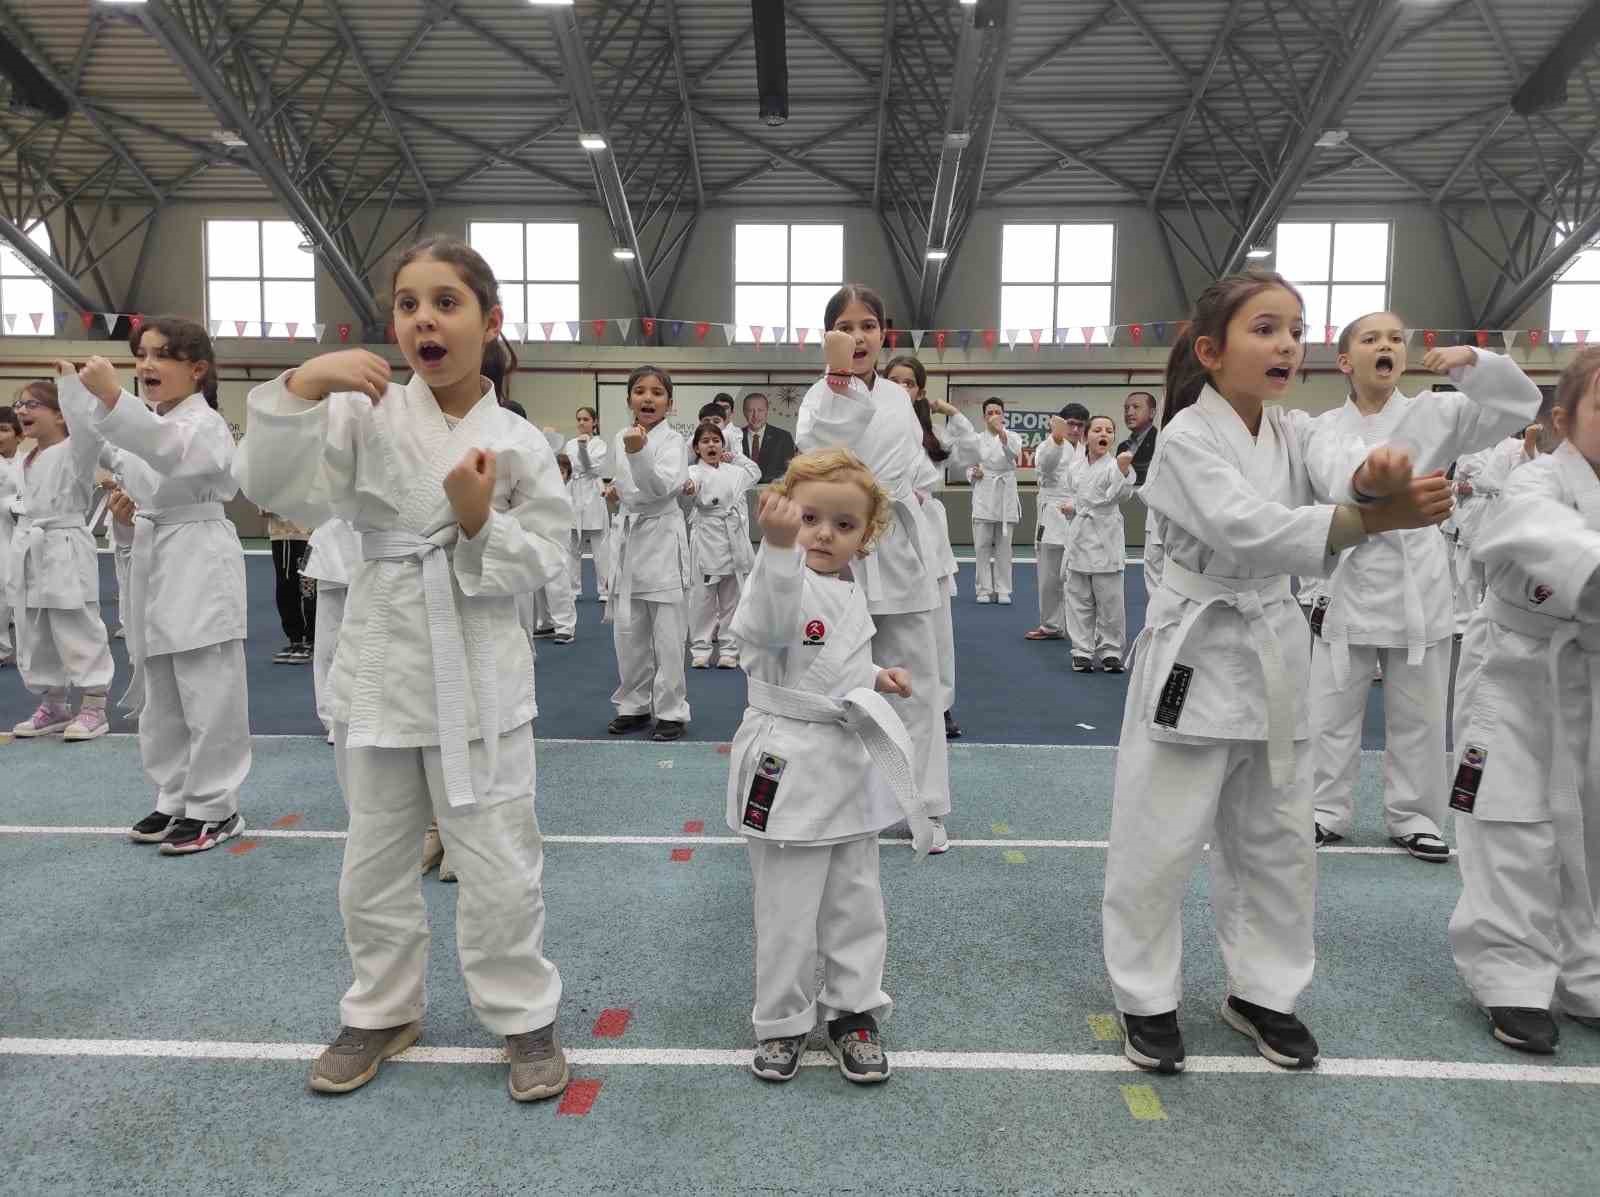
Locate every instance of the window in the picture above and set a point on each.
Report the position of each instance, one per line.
(1342, 270)
(1575, 299)
(784, 275)
(28, 303)
(1057, 277)
(537, 268)
(260, 278)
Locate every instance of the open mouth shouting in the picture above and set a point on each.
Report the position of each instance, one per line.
(431, 352)
(149, 382)
(1384, 365)
(1281, 374)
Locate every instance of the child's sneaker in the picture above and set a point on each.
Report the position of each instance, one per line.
(941, 837)
(196, 835)
(1281, 1038)
(1112, 664)
(46, 721)
(1082, 665)
(90, 724)
(1525, 1028)
(700, 661)
(286, 655)
(778, 1059)
(352, 1059)
(1153, 1041)
(853, 1042)
(153, 828)
(563, 637)
(728, 662)
(538, 1065)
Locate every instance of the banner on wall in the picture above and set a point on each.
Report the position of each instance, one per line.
(1030, 406)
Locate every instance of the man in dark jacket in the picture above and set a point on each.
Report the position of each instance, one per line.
(768, 446)
(1139, 414)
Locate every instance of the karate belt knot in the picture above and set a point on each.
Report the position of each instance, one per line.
(145, 524)
(448, 648)
(1336, 624)
(1250, 597)
(27, 537)
(908, 516)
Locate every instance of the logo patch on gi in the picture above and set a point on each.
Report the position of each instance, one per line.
(1318, 612)
(1173, 695)
(1540, 594)
(1469, 776)
(816, 633)
(763, 791)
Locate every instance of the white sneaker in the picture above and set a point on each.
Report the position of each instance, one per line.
(1005, 600)
(984, 598)
(91, 723)
(47, 720)
(941, 837)
(700, 662)
(728, 662)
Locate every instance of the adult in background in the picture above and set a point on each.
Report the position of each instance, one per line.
(1139, 414)
(769, 447)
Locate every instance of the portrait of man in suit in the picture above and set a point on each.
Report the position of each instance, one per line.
(765, 444)
(1139, 414)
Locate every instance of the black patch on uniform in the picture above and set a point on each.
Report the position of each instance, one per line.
(1173, 695)
(1318, 610)
(763, 791)
(1469, 776)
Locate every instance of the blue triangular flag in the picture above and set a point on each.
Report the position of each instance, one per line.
(964, 337)
(1159, 327)
(677, 328)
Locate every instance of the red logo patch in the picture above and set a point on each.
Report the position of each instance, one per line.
(1541, 594)
(816, 630)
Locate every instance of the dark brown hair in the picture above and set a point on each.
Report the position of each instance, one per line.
(647, 372)
(910, 362)
(995, 401)
(564, 464)
(593, 415)
(42, 389)
(1575, 382)
(9, 419)
(853, 293)
(930, 441)
(701, 429)
(1213, 312)
(187, 341)
(1348, 332)
(499, 359)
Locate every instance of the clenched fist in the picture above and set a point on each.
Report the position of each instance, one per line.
(358, 370)
(839, 350)
(470, 489)
(1453, 357)
(894, 681)
(633, 438)
(780, 519)
(1386, 472)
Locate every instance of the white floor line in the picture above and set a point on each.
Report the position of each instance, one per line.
(600, 1057)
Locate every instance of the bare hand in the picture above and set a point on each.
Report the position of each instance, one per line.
(1463, 488)
(691, 488)
(121, 506)
(583, 438)
(1125, 462)
(610, 493)
(976, 473)
(634, 438)
(470, 488)
(1067, 509)
(1530, 440)
(996, 420)
(1422, 502)
(1058, 429)
(357, 370)
(780, 520)
(943, 406)
(895, 681)
(838, 349)
(1386, 472)
(99, 378)
(1442, 361)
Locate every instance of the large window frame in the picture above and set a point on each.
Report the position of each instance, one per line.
(549, 279)
(1089, 281)
(1335, 293)
(805, 298)
(1575, 295)
(18, 277)
(284, 295)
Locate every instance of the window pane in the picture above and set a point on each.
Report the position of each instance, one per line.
(1572, 306)
(552, 303)
(281, 253)
(500, 243)
(512, 300)
(817, 254)
(807, 306)
(1585, 268)
(760, 254)
(1360, 252)
(288, 301)
(1027, 308)
(1351, 302)
(766, 306)
(12, 263)
(233, 250)
(553, 254)
(1086, 252)
(233, 301)
(27, 297)
(1078, 307)
(1316, 298)
(1303, 251)
(1027, 254)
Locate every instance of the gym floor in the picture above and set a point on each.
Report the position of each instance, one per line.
(158, 1015)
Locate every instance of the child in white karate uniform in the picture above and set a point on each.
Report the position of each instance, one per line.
(61, 643)
(331, 563)
(460, 509)
(1480, 477)
(650, 565)
(1526, 930)
(996, 507)
(819, 766)
(1057, 456)
(587, 453)
(1091, 562)
(719, 550)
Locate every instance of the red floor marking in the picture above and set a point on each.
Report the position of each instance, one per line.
(682, 854)
(243, 846)
(579, 1098)
(694, 827)
(287, 822)
(724, 749)
(612, 1023)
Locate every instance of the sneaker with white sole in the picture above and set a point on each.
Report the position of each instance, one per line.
(286, 655)
(778, 1059)
(153, 828)
(853, 1042)
(538, 1065)
(1004, 600)
(700, 662)
(1525, 1028)
(1153, 1041)
(89, 724)
(198, 835)
(47, 720)
(352, 1059)
(984, 598)
(941, 837)
(1281, 1038)
(1424, 847)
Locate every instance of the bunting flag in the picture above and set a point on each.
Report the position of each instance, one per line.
(599, 327)
(1088, 334)
(894, 338)
(111, 319)
(1557, 336)
(1409, 334)
(216, 328)
(239, 326)
(1482, 335)
(388, 333)
(917, 334)
(11, 321)
(574, 327)
(344, 333)
(989, 338)
(1535, 335)
(626, 326)
(777, 335)
(649, 325)
(1160, 329)
(1011, 337)
(965, 339)
(88, 321)
(1327, 334)
(1137, 332)
(548, 327)
(293, 328)
(319, 329)
(729, 331)
(755, 331)
(1062, 336)
(1036, 333)
(1429, 339)
(1583, 336)
(1509, 336)
(802, 333)
(135, 323)
(939, 338)
(700, 330)
(677, 328)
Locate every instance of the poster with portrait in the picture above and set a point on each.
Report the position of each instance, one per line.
(1029, 407)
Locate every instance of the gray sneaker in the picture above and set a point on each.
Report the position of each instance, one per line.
(778, 1059)
(538, 1065)
(352, 1059)
(853, 1043)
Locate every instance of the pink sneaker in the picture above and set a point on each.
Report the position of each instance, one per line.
(46, 721)
(90, 724)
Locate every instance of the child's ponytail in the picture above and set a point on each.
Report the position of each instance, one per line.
(499, 364)
(1213, 312)
(1186, 377)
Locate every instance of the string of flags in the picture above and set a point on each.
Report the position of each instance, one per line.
(619, 330)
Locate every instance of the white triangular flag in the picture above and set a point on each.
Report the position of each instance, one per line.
(777, 334)
(626, 326)
(320, 329)
(729, 331)
(111, 319)
(216, 328)
(11, 321)
(1111, 334)
(916, 337)
(1410, 332)
(1011, 337)
(1509, 336)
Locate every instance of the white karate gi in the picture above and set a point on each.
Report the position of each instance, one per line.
(1155, 552)
(958, 438)
(333, 555)
(1055, 465)
(996, 509)
(184, 608)
(810, 796)
(1213, 734)
(1487, 471)
(900, 577)
(650, 577)
(590, 517)
(1527, 723)
(10, 508)
(1092, 561)
(720, 553)
(1389, 603)
(431, 690)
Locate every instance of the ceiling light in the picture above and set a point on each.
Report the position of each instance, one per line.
(938, 255)
(227, 137)
(1332, 139)
(622, 255)
(551, 3)
(592, 142)
(968, 3)
(1259, 251)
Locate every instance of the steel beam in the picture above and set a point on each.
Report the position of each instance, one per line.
(957, 136)
(885, 70)
(683, 98)
(53, 272)
(783, 156)
(1199, 85)
(347, 37)
(1544, 273)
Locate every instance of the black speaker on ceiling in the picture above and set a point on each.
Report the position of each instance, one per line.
(1547, 86)
(772, 60)
(31, 93)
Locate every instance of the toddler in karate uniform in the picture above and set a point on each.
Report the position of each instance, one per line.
(719, 548)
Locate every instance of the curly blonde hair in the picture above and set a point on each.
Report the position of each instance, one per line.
(841, 465)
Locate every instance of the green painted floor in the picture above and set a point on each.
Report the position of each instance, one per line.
(104, 940)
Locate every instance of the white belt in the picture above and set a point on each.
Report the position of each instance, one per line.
(1336, 626)
(1250, 597)
(622, 565)
(449, 654)
(145, 524)
(28, 536)
(864, 713)
(908, 516)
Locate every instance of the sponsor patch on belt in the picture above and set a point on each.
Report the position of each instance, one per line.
(1469, 775)
(1318, 611)
(763, 791)
(1173, 695)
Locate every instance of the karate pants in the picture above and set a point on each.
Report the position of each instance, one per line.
(650, 661)
(1052, 595)
(554, 605)
(811, 901)
(59, 647)
(122, 566)
(911, 641)
(1470, 582)
(711, 608)
(7, 644)
(595, 539)
(1524, 931)
(1155, 556)
(496, 850)
(1415, 771)
(946, 630)
(1096, 616)
(194, 730)
(330, 618)
(991, 542)
(1171, 800)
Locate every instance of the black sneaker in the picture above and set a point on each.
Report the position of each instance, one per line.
(1281, 1038)
(667, 729)
(1525, 1028)
(285, 655)
(1592, 1021)
(562, 637)
(623, 724)
(1424, 847)
(544, 632)
(193, 835)
(1082, 665)
(951, 730)
(1111, 664)
(1325, 837)
(153, 828)
(778, 1059)
(1153, 1041)
(853, 1042)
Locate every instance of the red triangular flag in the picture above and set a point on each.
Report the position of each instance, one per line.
(1088, 334)
(1583, 336)
(599, 327)
(135, 323)
(239, 327)
(38, 319)
(803, 333)
(1138, 333)
(1036, 333)
(549, 327)
(990, 336)
(388, 332)
(344, 333)
(1535, 335)
(1327, 334)
(1430, 338)
(1483, 338)
(755, 331)
(894, 338)
(291, 326)
(939, 337)
(649, 325)
(88, 320)
(700, 330)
